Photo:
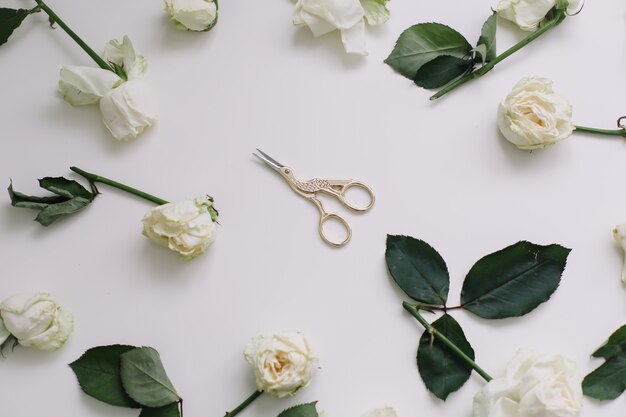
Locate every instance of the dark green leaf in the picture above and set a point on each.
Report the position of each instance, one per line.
(53, 212)
(488, 38)
(10, 19)
(28, 201)
(144, 378)
(98, 373)
(514, 280)
(422, 43)
(302, 410)
(418, 269)
(64, 187)
(609, 380)
(442, 371)
(70, 198)
(170, 410)
(441, 70)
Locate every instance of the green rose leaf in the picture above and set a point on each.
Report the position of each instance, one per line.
(376, 11)
(441, 70)
(609, 381)
(488, 39)
(144, 378)
(424, 42)
(442, 371)
(70, 198)
(170, 410)
(302, 410)
(98, 373)
(10, 19)
(513, 281)
(418, 269)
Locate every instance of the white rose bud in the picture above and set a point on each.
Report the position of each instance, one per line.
(196, 15)
(283, 363)
(123, 55)
(36, 321)
(128, 109)
(187, 227)
(528, 14)
(324, 16)
(536, 385)
(619, 233)
(533, 116)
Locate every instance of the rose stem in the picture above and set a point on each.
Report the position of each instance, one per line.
(608, 132)
(443, 339)
(93, 178)
(558, 18)
(244, 404)
(101, 63)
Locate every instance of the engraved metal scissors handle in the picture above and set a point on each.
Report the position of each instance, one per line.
(310, 189)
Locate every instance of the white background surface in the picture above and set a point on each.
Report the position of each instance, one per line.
(441, 172)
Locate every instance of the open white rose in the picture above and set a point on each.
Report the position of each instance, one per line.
(128, 109)
(4, 332)
(196, 15)
(528, 14)
(187, 226)
(127, 106)
(36, 321)
(533, 116)
(619, 234)
(283, 363)
(86, 85)
(347, 16)
(535, 385)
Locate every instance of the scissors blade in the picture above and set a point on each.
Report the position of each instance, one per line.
(268, 160)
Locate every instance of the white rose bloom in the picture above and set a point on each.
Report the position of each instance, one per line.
(127, 106)
(128, 109)
(619, 233)
(528, 14)
(4, 332)
(86, 85)
(197, 15)
(124, 55)
(187, 227)
(376, 12)
(283, 363)
(533, 116)
(324, 16)
(536, 385)
(36, 321)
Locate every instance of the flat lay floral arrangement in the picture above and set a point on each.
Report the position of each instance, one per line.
(118, 326)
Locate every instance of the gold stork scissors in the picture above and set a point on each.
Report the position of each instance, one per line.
(309, 190)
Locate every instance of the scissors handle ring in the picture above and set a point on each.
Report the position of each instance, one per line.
(329, 216)
(357, 184)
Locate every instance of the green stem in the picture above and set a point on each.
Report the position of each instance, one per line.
(558, 18)
(93, 178)
(443, 339)
(244, 404)
(101, 62)
(608, 132)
